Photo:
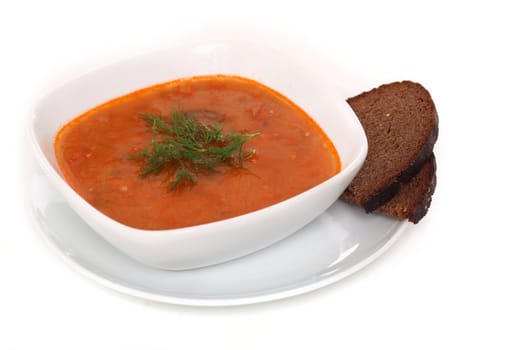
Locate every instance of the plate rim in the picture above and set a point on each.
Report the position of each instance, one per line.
(302, 288)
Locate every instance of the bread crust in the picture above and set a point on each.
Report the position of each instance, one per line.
(422, 208)
(414, 198)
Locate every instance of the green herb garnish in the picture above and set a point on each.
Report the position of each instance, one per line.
(185, 147)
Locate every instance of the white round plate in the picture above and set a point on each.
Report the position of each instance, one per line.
(338, 243)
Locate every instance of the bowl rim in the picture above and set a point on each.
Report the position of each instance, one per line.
(70, 194)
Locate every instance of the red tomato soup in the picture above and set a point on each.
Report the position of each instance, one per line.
(292, 154)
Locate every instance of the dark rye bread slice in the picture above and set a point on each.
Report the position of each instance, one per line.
(401, 124)
(414, 197)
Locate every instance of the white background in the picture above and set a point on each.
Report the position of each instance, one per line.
(456, 280)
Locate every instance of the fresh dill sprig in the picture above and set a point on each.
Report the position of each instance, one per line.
(185, 147)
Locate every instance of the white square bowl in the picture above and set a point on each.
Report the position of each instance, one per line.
(212, 243)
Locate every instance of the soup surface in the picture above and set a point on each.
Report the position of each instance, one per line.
(292, 154)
